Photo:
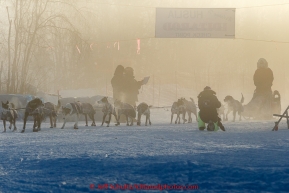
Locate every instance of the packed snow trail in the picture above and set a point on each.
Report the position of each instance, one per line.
(247, 157)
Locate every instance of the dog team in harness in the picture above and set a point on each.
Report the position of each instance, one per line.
(125, 95)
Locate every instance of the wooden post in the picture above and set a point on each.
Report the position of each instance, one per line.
(287, 120)
(285, 114)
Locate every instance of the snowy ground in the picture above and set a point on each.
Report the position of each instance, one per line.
(248, 157)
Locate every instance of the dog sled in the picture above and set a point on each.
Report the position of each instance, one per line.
(284, 115)
(263, 106)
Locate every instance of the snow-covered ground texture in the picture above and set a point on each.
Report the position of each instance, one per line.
(248, 157)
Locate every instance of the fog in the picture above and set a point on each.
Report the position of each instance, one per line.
(81, 46)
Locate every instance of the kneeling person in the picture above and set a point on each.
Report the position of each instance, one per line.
(208, 104)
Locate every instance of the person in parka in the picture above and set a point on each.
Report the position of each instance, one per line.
(263, 78)
(117, 83)
(208, 104)
(260, 106)
(131, 87)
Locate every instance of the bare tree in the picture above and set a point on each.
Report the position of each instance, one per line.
(34, 26)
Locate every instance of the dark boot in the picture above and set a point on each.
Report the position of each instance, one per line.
(211, 126)
(201, 128)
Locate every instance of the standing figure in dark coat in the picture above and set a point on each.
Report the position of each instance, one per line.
(208, 104)
(263, 78)
(131, 87)
(117, 83)
(260, 107)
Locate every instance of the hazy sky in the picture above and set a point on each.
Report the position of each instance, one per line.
(255, 22)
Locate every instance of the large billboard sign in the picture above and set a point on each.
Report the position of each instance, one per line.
(195, 23)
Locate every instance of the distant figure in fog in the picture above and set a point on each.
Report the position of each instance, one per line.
(263, 78)
(131, 87)
(117, 83)
(260, 106)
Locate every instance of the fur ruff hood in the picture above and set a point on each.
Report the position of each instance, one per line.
(206, 92)
(262, 63)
